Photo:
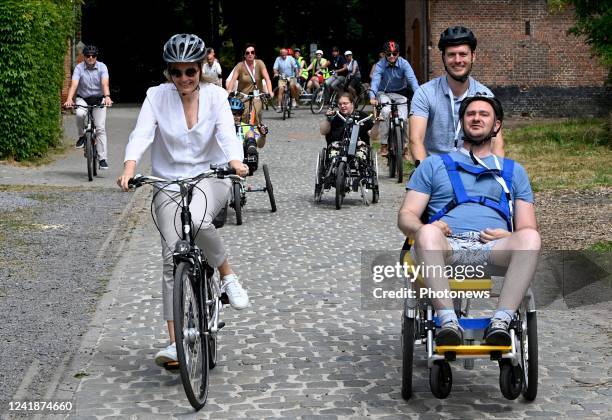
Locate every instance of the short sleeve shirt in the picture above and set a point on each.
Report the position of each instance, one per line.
(90, 79)
(431, 178)
(245, 81)
(336, 63)
(432, 101)
(285, 66)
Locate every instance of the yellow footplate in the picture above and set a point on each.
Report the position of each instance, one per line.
(473, 350)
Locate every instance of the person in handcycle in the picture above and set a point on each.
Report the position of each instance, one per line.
(479, 210)
(247, 134)
(332, 127)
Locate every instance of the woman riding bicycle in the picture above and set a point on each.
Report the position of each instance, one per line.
(250, 75)
(188, 124)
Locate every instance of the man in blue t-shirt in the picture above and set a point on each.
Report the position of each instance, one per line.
(472, 212)
(434, 110)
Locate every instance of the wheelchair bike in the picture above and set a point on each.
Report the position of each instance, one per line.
(518, 363)
(240, 188)
(347, 165)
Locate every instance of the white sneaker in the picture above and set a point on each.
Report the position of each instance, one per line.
(167, 355)
(293, 103)
(238, 297)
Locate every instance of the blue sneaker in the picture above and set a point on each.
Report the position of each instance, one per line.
(103, 164)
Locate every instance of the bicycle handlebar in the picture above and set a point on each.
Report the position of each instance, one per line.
(252, 96)
(359, 122)
(216, 171)
(88, 106)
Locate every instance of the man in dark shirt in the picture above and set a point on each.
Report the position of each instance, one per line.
(337, 67)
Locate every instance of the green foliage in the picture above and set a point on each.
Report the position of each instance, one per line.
(594, 21)
(33, 42)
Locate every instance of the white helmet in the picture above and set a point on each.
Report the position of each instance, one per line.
(319, 52)
(348, 52)
(184, 48)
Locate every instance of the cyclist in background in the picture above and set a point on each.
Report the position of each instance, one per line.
(90, 82)
(185, 150)
(354, 74)
(393, 79)
(251, 75)
(286, 66)
(317, 71)
(212, 67)
(433, 129)
(301, 63)
(337, 66)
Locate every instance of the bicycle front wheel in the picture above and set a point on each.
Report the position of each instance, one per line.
(269, 188)
(391, 152)
(89, 155)
(399, 153)
(316, 104)
(190, 330)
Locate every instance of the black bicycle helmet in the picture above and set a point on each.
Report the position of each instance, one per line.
(457, 35)
(391, 46)
(236, 105)
(90, 50)
(495, 103)
(184, 48)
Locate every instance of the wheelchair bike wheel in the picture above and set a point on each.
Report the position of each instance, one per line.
(340, 180)
(320, 167)
(407, 355)
(237, 202)
(269, 188)
(316, 104)
(440, 379)
(529, 356)
(511, 379)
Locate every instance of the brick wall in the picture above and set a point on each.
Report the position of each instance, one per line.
(525, 55)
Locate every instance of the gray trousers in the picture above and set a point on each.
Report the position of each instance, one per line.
(99, 115)
(385, 98)
(206, 203)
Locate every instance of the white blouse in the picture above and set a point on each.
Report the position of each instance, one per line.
(179, 152)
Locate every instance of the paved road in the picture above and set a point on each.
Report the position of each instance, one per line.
(306, 348)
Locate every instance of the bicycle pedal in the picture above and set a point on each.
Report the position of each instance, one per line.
(220, 325)
(224, 299)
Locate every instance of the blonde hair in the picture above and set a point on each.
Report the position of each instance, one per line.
(203, 77)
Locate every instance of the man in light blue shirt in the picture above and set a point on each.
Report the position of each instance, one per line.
(90, 83)
(286, 66)
(480, 211)
(434, 112)
(393, 79)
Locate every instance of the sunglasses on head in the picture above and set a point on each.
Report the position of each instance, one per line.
(252, 52)
(90, 56)
(190, 72)
(394, 54)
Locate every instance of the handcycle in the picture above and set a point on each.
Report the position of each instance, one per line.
(518, 362)
(90, 149)
(239, 189)
(197, 298)
(347, 166)
(395, 139)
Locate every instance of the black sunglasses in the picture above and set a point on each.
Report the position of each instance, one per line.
(90, 56)
(190, 72)
(389, 54)
(249, 52)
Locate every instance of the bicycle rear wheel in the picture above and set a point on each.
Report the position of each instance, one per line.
(269, 187)
(189, 329)
(89, 155)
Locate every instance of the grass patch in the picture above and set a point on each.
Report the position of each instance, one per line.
(603, 246)
(574, 154)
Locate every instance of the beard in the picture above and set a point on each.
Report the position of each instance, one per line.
(463, 78)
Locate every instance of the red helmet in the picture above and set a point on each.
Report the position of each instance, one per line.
(289, 51)
(391, 46)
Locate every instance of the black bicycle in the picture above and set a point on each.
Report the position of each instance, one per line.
(286, 99)
(348, 166)
(90, 149)
(395, 139)
(197, 298)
